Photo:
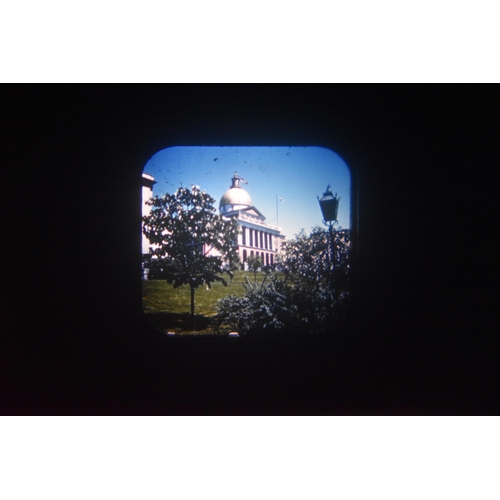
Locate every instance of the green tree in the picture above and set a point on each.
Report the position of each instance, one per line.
(318, 261)
(189, 241)
(254, 264)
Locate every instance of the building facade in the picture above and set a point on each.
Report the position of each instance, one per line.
(148, 182)
(256, 237)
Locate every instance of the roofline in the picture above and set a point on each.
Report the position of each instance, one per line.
(148, 180)
(260, 214)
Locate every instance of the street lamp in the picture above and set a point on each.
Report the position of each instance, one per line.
(329, 205)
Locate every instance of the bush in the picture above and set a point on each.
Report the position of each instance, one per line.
(265, 306)
(311, 298)
(276, 306)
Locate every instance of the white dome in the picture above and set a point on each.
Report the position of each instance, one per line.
(235, 196)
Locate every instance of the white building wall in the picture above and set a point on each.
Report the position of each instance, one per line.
(147, 193)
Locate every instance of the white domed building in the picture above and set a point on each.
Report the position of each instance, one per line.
(255, 237)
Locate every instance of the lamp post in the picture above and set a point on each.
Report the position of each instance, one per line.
(329, 205)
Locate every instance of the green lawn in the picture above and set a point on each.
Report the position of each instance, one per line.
(159, 296)
(168, 307)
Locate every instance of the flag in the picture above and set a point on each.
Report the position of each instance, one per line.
(281, 199)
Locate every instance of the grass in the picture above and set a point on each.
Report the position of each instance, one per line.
(168, 307)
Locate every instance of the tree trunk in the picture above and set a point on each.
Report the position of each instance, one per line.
(192, 299)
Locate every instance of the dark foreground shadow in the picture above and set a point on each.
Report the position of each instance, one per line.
(185, 324)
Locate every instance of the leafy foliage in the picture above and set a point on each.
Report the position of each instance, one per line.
(264, 306)
(317, 261)
(189, 241)
(254, 264)
(309, 299)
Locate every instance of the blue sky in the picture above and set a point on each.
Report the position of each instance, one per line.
(296, 174)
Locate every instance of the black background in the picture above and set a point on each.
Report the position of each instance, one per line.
(421, 340)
